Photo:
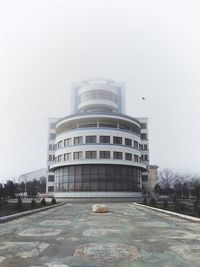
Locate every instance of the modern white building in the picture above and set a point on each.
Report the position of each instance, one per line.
(98, 151)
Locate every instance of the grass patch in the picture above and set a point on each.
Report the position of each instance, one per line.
(11, 208)
(182, 208)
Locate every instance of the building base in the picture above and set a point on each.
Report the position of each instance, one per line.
(98, 194)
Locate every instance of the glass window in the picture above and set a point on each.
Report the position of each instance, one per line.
(78, 140)
(117, 140)
(128, 156)
(117, 155)
(104, 139)
(143, 136)
(136, 144)
(91, 139)
(68, 142)
(145, 178)
(91, 154)
(60, 144)
(128, 142)
(104, 154)
(97, 178)
(52, 136)
(143, 125)
(94, 186)
(78, 155)
(50, 188)
(146, 157)
(54, 147)
(50, 178)
(67, 156)
(136, 158)
(52, 125)
(50, 147)
(145, 147)
(59, 158)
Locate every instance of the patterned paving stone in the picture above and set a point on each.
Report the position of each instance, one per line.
(2, 259)
(55, 222)
(100, 232)
(40, 232)
(188, 252)
(22, 249)
(107, 252)
(127, 236)
(54, 264)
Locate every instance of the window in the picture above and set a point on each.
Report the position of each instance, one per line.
(145, 147)
(91, 139)
(60, 144)
(50, 178)
(78, 155)
(50, 188)
(52, 125)
(136, 144)
(98, 94)
(145, 178)
(59, 158)
(128, 142)
(128, 156)
(136, 158)
(54, 147)
(52, 136)
(143, 125)
(68, 142)
(91, 154)
(143, 136)
(117, 155)
(141, 147)
(104, 139)
(78, 140)
(67, 156)
(104, 154)
(50, 147)
(117, 140)
(145, 157)
(51, 157)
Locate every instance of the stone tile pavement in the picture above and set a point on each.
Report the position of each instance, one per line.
(71, 235)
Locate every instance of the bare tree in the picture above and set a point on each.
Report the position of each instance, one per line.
(166, 178)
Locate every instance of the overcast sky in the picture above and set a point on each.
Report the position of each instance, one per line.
(152, 46)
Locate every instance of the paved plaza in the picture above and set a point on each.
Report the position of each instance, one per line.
(71, 235)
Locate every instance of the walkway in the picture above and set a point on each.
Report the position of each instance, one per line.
(71, 235)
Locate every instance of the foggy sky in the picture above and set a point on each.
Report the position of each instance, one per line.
(152, 46)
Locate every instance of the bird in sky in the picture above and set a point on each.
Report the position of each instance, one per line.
(143, 98)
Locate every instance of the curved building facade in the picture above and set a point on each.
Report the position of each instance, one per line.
(98, 151)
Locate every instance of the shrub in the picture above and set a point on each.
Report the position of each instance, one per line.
(198, 211)
(153, 201)
(180, 206)
(19, 204)
(43, 202)
(145, 201)
(33, 204)
(53, 201)
(5, 202)
(165, 203)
